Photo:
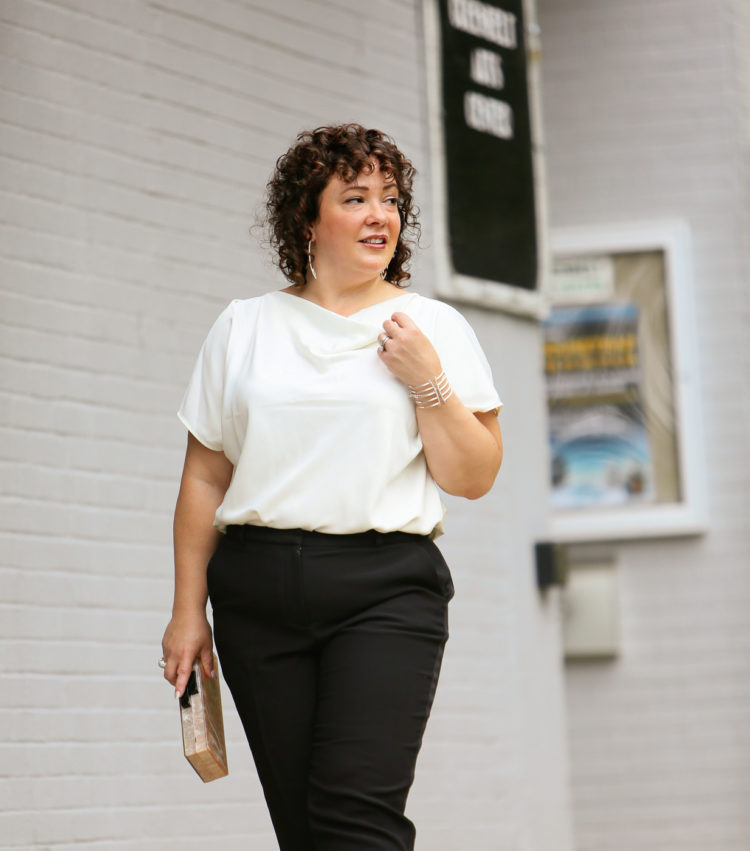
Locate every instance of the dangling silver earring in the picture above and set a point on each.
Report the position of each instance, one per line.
(384, 273)
(309, 260)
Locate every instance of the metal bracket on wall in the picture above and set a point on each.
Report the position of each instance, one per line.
(551, 564)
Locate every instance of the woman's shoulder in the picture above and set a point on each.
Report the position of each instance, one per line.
(246, 305)
(247, 308)
(240, 313)
(435, 310)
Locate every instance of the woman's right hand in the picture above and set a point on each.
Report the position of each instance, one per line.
(187, 637)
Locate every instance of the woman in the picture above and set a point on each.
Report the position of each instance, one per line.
(321, 420)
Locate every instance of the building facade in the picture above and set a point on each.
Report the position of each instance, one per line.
(136, 141)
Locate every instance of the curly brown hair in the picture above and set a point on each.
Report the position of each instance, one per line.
(301, 174)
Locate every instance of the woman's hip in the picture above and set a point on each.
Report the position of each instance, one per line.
(317, 581)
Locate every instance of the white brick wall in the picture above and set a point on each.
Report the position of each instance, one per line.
(646, 107)
(136, 139)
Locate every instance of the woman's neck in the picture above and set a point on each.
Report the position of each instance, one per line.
(345, 300)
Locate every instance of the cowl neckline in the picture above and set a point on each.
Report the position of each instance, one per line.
(314, 306)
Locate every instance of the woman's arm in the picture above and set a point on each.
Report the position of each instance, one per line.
(463, 450)
(205, 479)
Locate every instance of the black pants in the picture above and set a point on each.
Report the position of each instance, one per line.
(331, 646)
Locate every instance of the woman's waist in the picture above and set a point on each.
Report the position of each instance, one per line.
(307, 537)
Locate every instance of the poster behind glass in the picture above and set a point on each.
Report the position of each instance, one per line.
(609, 388)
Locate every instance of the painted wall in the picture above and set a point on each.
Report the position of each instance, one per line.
(136, 140)
(646, 108)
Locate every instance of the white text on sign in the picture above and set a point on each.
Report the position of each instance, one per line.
(484, 21)
(488, 115)
(487, 68)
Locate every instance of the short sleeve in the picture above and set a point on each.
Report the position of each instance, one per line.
(202, 405)
(464, 362)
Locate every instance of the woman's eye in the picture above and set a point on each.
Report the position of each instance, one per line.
(357, 199)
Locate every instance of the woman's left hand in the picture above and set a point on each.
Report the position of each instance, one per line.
(408, 353)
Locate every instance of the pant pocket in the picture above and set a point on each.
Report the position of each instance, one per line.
(247, 577)
(440, 568)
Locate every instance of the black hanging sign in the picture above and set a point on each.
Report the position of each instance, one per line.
(491, 212)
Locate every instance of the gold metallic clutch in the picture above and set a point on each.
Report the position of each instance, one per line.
(203, 725)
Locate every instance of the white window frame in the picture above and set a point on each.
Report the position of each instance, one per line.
(688, 516)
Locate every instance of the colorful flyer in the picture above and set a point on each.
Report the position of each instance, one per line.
(599, 444)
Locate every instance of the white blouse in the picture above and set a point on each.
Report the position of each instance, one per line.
(321, 435)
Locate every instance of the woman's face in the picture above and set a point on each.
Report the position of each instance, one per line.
(357, 228)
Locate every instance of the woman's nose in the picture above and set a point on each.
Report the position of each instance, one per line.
(376, 211)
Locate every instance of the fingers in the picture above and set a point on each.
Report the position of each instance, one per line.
(169, 665)
(186, 639)
(402, 327)
(207, 662)
(183, 675)
(407, 352)
(393, 334)
(177, 670)
(403, 320)
(172, 668)
(393, 328)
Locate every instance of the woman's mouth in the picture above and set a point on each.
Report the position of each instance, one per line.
(374, 241)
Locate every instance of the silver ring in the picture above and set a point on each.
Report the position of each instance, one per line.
(383, 342)
(162, 662)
